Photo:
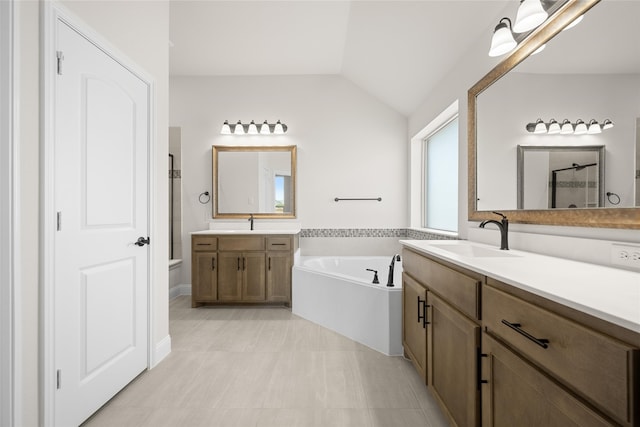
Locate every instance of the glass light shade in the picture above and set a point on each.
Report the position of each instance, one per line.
(264, 128)
(502, 40)
(530, 14)
(540, 128)
(226, 129)
(574, 23)
(594, 127)
(278, 129)
(567, 127)
(538, 50)
(581, 128)
(253, 129)
(554, 127)
(239, 130)
(607, 124)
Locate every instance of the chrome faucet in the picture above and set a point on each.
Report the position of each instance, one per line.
(395, 258)
(251, 220)
(503, 225)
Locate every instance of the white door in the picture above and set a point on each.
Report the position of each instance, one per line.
(101, 152)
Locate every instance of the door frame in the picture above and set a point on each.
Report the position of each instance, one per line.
(9, 225)
(52, 12)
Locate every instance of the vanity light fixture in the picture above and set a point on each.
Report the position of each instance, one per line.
(502, 40)
(226, 128)
(530, 14)
(252, 128)
(568, 128)
(594, 127)
(540, 127)
(580, 127)
(554, 127)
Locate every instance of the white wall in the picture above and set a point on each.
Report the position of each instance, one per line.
(119, 22)
(581, 243)
(349, 145)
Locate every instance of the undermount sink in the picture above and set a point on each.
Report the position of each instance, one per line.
(475, 251)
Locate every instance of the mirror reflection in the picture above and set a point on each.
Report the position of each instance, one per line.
(591, 71)
(254, 180)
(560, 177)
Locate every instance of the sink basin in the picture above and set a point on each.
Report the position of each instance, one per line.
(475, 251)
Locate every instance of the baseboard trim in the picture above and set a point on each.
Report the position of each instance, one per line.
(179, 290)
(162, 350)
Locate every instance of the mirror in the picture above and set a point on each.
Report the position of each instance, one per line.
(560, 177)
(254, 180)
(591, 71)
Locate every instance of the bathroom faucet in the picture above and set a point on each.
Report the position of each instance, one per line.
(395, 258)
(251, 220)
(503, 225)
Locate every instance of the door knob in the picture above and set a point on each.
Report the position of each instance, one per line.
(142, 241)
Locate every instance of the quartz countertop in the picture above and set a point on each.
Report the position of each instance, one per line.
(247, 231)
(607, 293)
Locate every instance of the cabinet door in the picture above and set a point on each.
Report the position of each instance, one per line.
(205, 277)
(253, 276)
(516, 393)
(279, 276)
(454, 342)
(229, 276)
(414, 332)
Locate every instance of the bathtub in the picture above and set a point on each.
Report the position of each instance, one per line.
(337, 293)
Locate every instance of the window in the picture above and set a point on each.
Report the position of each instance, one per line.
(440, 162)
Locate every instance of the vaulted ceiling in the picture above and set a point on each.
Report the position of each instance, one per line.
(396, 50)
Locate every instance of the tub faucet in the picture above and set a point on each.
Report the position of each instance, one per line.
(251, 220)
(395, 258)
(503, 225)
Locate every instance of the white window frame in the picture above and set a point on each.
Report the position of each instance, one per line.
(417, 170)
(9, 225)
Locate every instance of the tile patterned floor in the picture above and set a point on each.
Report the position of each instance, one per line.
(245, 367)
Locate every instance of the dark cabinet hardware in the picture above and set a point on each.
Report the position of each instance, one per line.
(213, 263)
(542, 342)
(238, 263)
(269, 264)
(479, 356)
(423, 303)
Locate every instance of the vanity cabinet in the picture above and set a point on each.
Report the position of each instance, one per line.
(585, 361)
(242, 268)
(414, 323)
(204, 268)
(451, 313)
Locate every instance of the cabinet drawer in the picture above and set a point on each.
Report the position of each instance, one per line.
(278, 243)
(458, 289)
(204, 243)
(241, 243)
(599, 368)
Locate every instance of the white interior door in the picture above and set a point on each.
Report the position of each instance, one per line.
(101, 276)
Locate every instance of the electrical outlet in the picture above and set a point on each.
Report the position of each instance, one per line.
(625, 256)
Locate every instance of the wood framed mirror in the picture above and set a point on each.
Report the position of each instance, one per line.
(487, 193)
(258, 181)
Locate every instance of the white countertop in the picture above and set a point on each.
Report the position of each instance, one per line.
(247, 231)
(607, 293)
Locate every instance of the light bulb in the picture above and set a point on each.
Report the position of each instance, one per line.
(567, 127)
(540, 128)
(502, 40)
(554, 127)
(226, 129)
(594, 127)
(264, 128)
(581, 127)
(239, 130)
(253, 129)
(278, 129)
(530, 14)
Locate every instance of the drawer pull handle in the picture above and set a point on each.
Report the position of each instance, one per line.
(203, 244)
(423, 302)
(542, 342)
(278, 244)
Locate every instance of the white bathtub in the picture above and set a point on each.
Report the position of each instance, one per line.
(337, 293)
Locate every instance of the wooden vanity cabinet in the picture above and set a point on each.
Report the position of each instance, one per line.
(242, 268)
(414, 323)
(204, 284)
(588, 359)
(516, 393)
(452, 317)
